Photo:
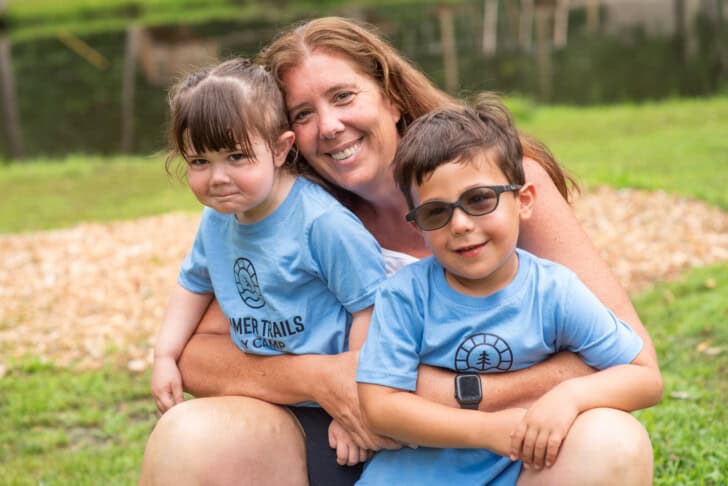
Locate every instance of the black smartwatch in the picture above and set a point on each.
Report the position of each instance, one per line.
(468, 390)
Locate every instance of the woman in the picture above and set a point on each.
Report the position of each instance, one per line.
(349, 96)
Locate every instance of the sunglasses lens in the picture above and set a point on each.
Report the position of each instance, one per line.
(481, 200)
(432, 215)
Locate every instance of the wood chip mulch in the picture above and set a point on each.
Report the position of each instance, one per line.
(94, 294)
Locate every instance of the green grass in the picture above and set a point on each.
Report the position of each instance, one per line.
(46, 194)
(59, 428)
(687, 321)
(679, 146)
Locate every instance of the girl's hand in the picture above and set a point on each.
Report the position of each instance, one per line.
(537, 439)
(347, 452)
(339, 397)
(166, 383)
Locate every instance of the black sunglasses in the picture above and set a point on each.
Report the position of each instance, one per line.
(477, 201)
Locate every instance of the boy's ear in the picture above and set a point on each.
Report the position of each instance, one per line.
(526, 198)
(282, 146)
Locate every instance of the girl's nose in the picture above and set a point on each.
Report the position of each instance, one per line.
(218, 174)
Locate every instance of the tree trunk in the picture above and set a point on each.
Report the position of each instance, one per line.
(128, 85)
(449, 48)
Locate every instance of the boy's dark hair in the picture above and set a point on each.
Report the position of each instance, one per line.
(220, 107)
(459, 135)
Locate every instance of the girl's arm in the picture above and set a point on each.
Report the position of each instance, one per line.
(183, 313)
(552, 232)
(538, 438)
(414, 420)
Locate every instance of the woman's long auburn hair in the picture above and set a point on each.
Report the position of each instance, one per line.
(406, 86)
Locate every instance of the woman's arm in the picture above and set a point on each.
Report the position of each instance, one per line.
(211, 365)
(414, 420)
(552, 232)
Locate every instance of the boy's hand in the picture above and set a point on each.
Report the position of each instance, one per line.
(347, 452)
(166, 383)
(537, 439)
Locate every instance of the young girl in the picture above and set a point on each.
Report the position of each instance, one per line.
(275, 249)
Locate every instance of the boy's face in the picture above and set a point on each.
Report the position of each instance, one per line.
(476, 251)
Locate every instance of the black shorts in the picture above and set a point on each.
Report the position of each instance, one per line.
(320, 457)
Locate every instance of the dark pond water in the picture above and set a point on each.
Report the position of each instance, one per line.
(70, 89)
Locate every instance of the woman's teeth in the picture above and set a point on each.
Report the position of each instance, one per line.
(346, 153)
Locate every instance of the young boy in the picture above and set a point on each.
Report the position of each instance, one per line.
(480, 305)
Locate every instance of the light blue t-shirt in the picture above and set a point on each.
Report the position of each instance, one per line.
(290, 282)
(419, 319)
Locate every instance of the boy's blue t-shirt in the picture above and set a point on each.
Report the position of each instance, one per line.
(290, 282)
(419, 319)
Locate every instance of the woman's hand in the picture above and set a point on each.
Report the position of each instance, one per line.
(166, 383)
(538, 438)
(337, 394)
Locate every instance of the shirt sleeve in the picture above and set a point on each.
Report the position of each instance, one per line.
(193, 274)
(347, 257)
(588, 328)
(390, 355)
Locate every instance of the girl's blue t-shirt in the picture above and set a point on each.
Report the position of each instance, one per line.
(290, 282)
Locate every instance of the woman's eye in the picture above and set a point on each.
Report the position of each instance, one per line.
(300, 116)
(343, 96)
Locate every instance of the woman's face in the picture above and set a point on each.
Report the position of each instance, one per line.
(345, 127)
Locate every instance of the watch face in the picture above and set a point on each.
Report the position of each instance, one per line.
(469, 386)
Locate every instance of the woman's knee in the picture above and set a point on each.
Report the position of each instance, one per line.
(603, 446)
(225, 440)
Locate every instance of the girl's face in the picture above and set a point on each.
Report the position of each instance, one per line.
(345, 127)
(476, 251)
(231, 181)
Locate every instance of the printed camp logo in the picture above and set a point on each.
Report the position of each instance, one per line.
(247, 282)
(483, 352)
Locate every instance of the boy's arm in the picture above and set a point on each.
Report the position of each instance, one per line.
(414, 420)
(538, 438)
(626, 387)
(359, 328)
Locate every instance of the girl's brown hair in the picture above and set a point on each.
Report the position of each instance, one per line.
(406, 86)
(224, 106)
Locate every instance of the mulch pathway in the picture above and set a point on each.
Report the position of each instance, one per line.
(94, 294)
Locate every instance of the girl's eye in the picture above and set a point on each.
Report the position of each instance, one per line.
(196, 163)
(238, 157)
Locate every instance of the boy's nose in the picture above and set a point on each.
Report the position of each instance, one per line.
(460, 221)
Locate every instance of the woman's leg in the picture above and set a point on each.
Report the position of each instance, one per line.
(225, 441)
(604, 446)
